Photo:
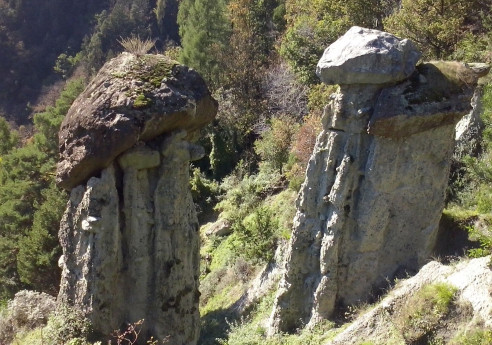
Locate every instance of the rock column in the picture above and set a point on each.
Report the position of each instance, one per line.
(131, 244)
(375, 184)
(130, 232)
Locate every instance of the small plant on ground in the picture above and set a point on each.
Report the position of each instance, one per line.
(65, 324)
(422, 312)
(130, 335)
(25, 312)
(484, 237)
(473, 337)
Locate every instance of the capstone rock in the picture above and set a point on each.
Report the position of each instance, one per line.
(132, 98)
(366, 56)
(370, 206)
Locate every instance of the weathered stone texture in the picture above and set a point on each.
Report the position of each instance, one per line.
(375, 184)
(130, 232)
(471, 278)
(365, 56)
(130, 245)
(132, 98)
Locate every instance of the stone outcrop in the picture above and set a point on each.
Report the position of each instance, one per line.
(130, 232)
(364, 56)
(469, 128)
(473, 305)
(375, 184)
(131, 99)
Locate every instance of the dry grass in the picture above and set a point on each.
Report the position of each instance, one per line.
(136, 45)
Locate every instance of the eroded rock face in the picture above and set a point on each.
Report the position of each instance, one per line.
(130, 232)
(131, 246)
(375, 185)
(132, 98)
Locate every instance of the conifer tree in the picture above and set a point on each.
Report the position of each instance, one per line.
(31, 206)
(204, 31)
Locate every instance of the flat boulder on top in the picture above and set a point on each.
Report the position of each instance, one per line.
(132, 98)
(366, 56)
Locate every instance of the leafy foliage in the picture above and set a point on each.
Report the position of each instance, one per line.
(31, 206)
(438, 26)
(255, 235)
(473, 337)
(204, 191)
(275, 143)
(313, 25)
(484, 237)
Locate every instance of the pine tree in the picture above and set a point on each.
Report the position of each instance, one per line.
(31, 206)
(8, 137)
(204, 31)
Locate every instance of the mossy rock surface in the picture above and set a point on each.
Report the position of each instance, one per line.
(132, 98)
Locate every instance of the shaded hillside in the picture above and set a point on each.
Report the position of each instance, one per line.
(34, 34)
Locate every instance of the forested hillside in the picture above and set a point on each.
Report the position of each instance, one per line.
(259, 59)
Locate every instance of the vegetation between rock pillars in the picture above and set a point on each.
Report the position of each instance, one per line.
(254, 54)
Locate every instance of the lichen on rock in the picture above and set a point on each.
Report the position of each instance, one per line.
(132, 98)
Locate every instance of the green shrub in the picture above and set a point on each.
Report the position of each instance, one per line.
(251, 331)
(242, 196)
(484, 237)
(255, 226)
(274, 145)
(255, 236)
(473, 337)
(205, 192)
(65, 324)
(422, 312)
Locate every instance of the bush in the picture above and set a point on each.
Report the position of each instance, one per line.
(204, 191)
(66, 324)
(274, 145)
(255, 236)
(301, 150)
(473, 337)
(484, 237)
(26, 311)
(244, 194)
(422, 312)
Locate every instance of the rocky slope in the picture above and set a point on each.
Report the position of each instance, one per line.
(390, 322)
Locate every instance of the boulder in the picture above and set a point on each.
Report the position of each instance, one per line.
(221, 227)
(132, 98)
(366, 56)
